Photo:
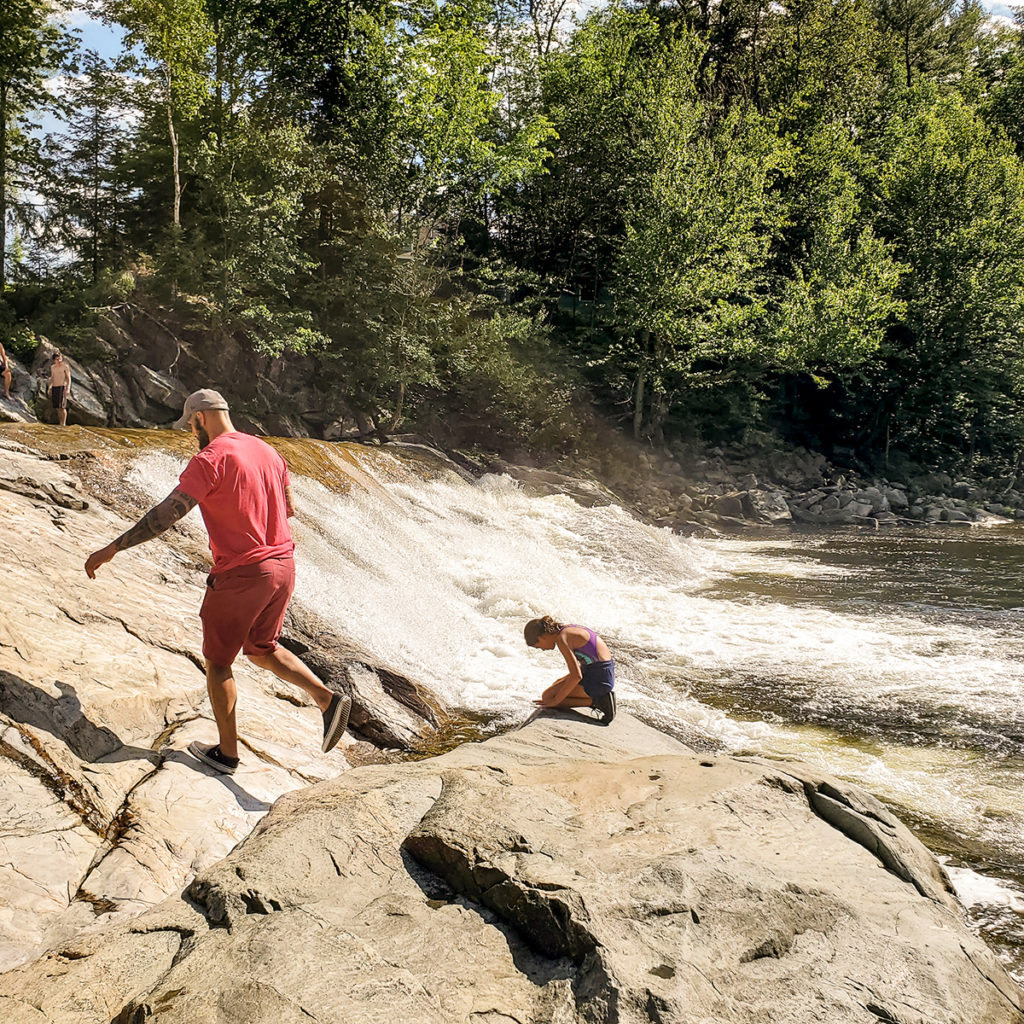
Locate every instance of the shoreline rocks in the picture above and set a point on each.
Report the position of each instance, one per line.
(564, 872)
(695, 490)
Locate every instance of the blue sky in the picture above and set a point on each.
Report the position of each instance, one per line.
(1004, 9)
(106, 39)
(95, 35)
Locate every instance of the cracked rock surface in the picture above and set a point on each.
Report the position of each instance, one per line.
(562, 873)
(103, 813)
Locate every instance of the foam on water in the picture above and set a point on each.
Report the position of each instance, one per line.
(437, 576)
(440, 578)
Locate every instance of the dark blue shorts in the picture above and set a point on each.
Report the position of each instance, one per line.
(598, 678)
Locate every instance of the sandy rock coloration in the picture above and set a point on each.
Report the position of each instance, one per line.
(562, 873)
(102, 811)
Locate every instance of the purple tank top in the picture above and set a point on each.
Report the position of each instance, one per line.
(587, 653)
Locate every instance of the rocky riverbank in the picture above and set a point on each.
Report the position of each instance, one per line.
(141, 364)
(700, 490)
(563, 872)
(102, 813)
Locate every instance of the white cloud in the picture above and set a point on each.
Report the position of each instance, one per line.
(81, 12)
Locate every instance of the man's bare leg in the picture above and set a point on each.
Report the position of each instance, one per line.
(286, 666)
(62, 417)
(220, 684)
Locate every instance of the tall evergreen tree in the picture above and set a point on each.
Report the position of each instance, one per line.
(933, 36)
(32, 46)
(86, 193)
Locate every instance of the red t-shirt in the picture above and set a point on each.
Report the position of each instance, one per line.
(239, 482)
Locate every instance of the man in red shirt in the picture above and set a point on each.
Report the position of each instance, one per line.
(242, 488)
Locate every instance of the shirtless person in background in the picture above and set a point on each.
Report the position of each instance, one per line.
(5, 372)
(60, 387)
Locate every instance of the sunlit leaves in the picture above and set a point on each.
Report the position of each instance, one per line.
(177, 36)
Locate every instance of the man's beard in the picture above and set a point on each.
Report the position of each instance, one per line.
(204, 437)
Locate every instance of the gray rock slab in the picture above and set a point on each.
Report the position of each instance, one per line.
(588, 493)
(103, 814)
(565, 873)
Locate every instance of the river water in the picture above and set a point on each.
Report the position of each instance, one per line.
(893, 660)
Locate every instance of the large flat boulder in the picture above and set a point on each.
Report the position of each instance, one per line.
(103, 813)
(561, 873)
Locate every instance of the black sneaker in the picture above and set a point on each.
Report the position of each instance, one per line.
(211, 756)
(605, 705)
(335, 721)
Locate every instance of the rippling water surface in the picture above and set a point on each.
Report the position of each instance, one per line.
(893, 660)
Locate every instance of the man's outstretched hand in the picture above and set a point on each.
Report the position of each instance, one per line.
(98, 558)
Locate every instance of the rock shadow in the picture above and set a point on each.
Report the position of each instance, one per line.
(243, 798)
(578, 715)
(63, 718)
(534, 966)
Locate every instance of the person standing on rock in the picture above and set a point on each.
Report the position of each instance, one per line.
(242, 488)
(590, 681)
(60, 387)
(5, 372)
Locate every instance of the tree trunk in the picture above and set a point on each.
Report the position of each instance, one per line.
(659, 412)
(219, 73)
(641, 384)
(396, 418)
(638, 402)
(176, 218)
(95, 247)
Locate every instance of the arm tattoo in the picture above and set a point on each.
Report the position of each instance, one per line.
(158, 519)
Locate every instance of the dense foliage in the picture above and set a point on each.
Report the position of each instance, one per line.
(804, 215)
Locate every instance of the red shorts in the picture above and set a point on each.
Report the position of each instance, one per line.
(244, 609)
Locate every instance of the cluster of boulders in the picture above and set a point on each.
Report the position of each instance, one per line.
(885, 503)
(696, 490)
(140, 366)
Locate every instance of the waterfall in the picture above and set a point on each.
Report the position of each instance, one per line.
(762, 646)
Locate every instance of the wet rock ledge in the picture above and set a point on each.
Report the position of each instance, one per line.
(562, 873)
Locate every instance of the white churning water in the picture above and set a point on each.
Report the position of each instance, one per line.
(763, 646)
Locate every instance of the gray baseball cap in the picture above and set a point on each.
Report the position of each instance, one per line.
(200, 401)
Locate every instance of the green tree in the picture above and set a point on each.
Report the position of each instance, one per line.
(33, 45)
(822, 64)
(253, 184)
(951, 203)
(85, 192)
(837, 292)
(691, 267)
(603, 94)
(934, 37)
(1004, 104)
(450, 153)
(177, 37)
